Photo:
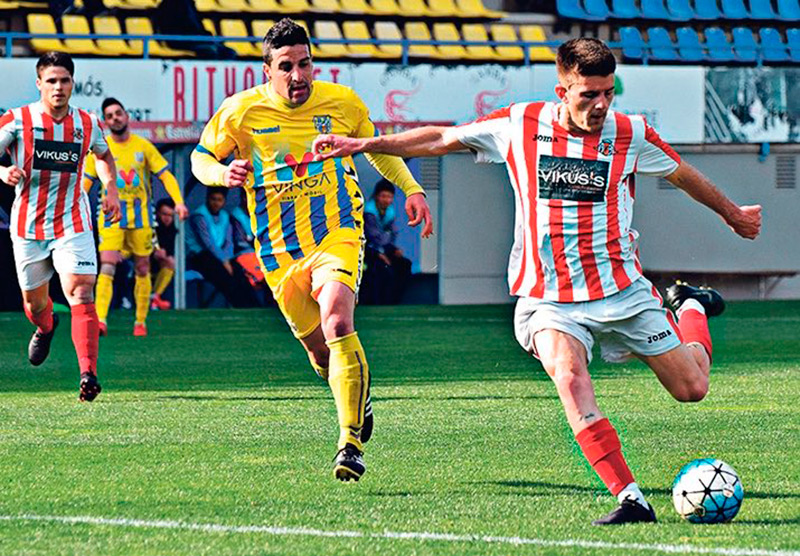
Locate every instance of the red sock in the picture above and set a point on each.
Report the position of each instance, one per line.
(694, 328)
(85, 336)
(600, 445)
(43, 320)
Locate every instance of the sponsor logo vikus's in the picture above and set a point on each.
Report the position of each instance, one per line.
(572, 179)
(56, 155)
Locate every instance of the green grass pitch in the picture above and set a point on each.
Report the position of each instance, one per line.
(214, 437)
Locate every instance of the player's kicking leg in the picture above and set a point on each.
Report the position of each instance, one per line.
(564, 359)
(78, 289)
(39, 309)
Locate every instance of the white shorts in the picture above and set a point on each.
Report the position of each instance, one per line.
(37, 258)
(633, 321)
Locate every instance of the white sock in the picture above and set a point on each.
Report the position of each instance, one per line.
(633, 491)
(692, 304)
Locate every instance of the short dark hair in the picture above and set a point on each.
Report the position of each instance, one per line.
(589, 57)
(216, 190)
(109, 101)
(284, 33)
(383, 185)
(55, 58)
(165, 202)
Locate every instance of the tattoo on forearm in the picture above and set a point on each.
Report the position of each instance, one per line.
(587, 417)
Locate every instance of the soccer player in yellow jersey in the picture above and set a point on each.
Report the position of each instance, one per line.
(307, 217)
(137, 161)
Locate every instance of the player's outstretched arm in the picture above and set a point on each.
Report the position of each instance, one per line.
(423, 141)
(107, 173)
(744, 220)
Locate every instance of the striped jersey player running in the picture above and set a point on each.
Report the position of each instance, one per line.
(574, 264)
(51, 227)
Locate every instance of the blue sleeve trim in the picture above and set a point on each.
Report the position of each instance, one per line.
(201, 149)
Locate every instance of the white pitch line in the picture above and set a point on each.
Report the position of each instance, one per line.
(423, 536)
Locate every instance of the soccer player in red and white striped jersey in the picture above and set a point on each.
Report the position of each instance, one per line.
(51, 226)
(574, 264)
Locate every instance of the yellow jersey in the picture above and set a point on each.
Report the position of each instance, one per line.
(294, 202)
(137, 160)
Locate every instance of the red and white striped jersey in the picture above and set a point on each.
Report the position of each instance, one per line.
(50, 202)
(573, 239)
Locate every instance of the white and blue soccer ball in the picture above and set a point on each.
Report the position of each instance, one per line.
(707, 491)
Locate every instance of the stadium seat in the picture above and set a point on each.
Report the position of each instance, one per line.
(294, 6)
(625, 9)
(503, 32)
(238, 28)
(789, 10)
(385, 7)
(142, 26)
(535, 33)
(359, 30)
(359, 7)
(572, 9)
(138, 4)
(689, 47)
(418, 30)
(388, 30)
(734, 9)
(475, 8)
(680, 10)
(9, 5)
(655, 9)
(448, 32)
(266, 6)
(476, 32)
(597, 9)
(77, 25)
(325, 6)
(304, 25)
(443, 8)
(793, 42)
(661, 46)
(773, 49)
(719, 49)
(413, 8)
(260, 28)
(107, 25)
(633, 45)
(329, 30)
(43, 24)
(232, 6)
(762, 9)
(706, 9)
(744, 45)
(208, 25)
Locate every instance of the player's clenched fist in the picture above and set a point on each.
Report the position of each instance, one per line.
(334, 146)
(746, 221)
(110, 206)
(236, 173)
(12, 175)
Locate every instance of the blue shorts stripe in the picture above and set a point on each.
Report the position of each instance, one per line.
(289, 225)
(123, 209)
(319, 222)
(138, 221)
(346, 219)
(262, 231)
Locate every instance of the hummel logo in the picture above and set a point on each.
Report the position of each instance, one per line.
(299, 167)
(273, 129)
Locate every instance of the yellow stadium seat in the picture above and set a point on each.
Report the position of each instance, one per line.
(295, 6)
(77, 25)
(535, 33)
(237, 28)
(107, 25)
(442, 8)
(208, 25)
(44, 25)
(418, 30)
(502, 32)
(388, 30)
(325, 6)
(142, 26)
(476, 32)
(329, 30)
(356, 7)
(475, 8)
(448, 32)
(385, 7)
(234, 6)
(206, 5)
(413, 8)
(142, 4)
(261, 26)
(359, 30)
(266, 6)
(9, 5)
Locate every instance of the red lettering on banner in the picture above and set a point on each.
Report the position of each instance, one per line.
(179, 108)
(249, 78)
(335, 74)
(194, 94)
(211, 70)
(316, 73)
(230, 81)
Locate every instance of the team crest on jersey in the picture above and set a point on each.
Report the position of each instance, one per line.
(606, 147)
(78, 134)
(323, 123)
(139, 157)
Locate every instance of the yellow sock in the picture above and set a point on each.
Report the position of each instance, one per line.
(163, 278)
(103, 294)
(348, 377)
(141, 293)
(322, 372)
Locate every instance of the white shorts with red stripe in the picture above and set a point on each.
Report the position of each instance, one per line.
(36, 259)
(632, 321)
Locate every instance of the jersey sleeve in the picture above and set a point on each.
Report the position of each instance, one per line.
(156, 162)
(488, 137)
(656, 157)
(8, 130)
(98, 142)
(363, 126)
(217, 139)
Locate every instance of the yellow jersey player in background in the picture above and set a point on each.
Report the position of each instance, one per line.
(137, 161)
(307, 217)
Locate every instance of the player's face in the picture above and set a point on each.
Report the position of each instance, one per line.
(384, 199)
(116, 118)
(166, 215)
(291, 72)
(55, 85)
(587, 100)
(215, 203)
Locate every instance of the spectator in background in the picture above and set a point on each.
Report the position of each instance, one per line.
(163, 258)
(244, 244)
(388, 271)
(10, 295)
(210, 246)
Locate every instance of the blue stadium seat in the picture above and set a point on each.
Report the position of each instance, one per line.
(762, 9)
(744, 45)
(689, 47)
(789, 10)
(661, 46)
(573, 9)
(680, 10)
(719, 49)
(596, 8)
(633, 46)
(772, 46)
(793, 40)
(706, 9)
(734, 9)
(625, 9)
(654, 9)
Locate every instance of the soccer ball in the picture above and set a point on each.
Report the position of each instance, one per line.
(707, 491)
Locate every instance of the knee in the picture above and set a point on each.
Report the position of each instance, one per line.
(337, 325)
(35, 306)
(692, 391)
(169, 263)
(79, 294)
(142, 267)
(570, 379)
(108, 268)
